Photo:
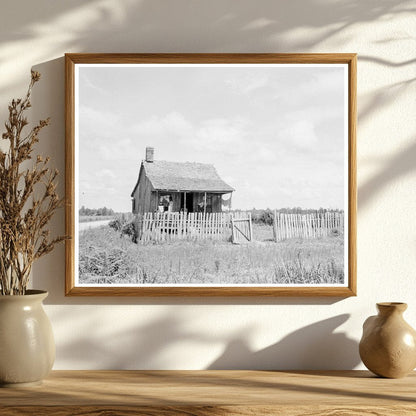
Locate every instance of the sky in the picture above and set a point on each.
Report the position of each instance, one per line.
(274, 133)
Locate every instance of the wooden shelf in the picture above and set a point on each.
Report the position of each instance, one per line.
(203, 393)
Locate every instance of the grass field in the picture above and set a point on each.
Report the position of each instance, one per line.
(107, 258)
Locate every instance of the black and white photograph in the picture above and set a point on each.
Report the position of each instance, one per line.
(211, 175)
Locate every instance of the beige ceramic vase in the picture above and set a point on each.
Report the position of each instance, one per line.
(27, 347)
(388, 344)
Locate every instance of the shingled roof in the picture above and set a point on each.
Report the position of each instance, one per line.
(188, 176)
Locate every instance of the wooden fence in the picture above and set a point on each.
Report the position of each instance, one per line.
(234, 226)
(307, 225)
(168, 226)
(241, 228)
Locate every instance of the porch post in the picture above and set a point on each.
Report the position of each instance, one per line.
(184, 202)
(205, 203)
(157, 202)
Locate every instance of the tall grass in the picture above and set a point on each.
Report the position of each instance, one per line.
(106, 256)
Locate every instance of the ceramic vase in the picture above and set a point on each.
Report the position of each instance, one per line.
(27, 347)
(388, 345)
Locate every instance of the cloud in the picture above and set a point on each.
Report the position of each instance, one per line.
(116, 151)
(172, 124)
(97, 124)
(220, 134)
(106, 173)
(247, 83)
(300, 134)
(88, 86)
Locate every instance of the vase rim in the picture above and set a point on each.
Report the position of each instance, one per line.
(30, 294)
(400, 306)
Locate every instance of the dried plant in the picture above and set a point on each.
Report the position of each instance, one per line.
(28, 199)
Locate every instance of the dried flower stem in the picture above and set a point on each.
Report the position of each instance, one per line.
(23, 237)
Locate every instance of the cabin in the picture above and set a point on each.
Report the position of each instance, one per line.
(179, 187)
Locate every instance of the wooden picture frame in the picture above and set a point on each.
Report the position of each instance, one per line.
(188, 197)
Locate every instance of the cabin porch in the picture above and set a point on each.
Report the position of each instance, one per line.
(189, 202)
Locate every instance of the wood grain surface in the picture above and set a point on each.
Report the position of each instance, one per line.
(202, 393)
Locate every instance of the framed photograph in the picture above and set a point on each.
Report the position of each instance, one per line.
(211, 174)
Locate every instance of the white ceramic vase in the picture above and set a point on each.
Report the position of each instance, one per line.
(27, 347)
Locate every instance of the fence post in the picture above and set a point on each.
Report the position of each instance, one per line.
(274, 226)
(250, 226)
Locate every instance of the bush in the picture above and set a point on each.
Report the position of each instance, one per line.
(124, 224)
(98, 262)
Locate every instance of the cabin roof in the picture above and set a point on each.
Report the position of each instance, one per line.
(187, 176)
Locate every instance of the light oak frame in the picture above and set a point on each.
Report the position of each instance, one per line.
(333, 58)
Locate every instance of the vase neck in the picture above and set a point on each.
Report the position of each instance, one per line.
(390, 308)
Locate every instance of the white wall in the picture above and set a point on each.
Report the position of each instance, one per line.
(192, 333)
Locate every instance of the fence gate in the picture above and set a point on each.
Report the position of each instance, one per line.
(242, 231)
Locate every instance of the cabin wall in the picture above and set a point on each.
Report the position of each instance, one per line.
(153, 199)
(176, 198)
(144, 199)
(135, 202)
(216, 203)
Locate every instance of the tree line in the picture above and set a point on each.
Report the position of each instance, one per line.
(96, 211)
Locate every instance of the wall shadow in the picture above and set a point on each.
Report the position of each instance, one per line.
(382, 98)
(139, 347)
(313, 347)
(396, 167)
(381, 61)
(150, 26)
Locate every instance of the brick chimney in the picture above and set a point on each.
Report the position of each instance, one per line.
(149, 154)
